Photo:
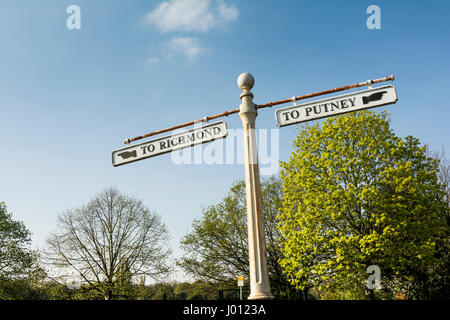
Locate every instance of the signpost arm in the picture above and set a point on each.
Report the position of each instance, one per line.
(269, 104)
(321, 93)
(259, 274)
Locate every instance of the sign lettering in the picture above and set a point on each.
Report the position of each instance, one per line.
(349, 102)
(170, 143)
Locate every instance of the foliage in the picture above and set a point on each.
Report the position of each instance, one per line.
(16, 257)
(434, 282)
(162, 291)
(198, 290)
(217, 247)
(356, 195)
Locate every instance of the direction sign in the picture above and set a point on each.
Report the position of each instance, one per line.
(349, 102)
(170, 143)
(240, 281)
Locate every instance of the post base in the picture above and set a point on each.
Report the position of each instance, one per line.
(261, 296)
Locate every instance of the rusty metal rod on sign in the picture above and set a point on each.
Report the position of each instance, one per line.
(269, 104)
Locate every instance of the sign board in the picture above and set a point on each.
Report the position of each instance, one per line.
(170, 143)
(240, 281)
(349, 102)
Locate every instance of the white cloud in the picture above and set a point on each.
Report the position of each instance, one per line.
(191, 15)
(188, 46)
(228, 13)
(152, 60)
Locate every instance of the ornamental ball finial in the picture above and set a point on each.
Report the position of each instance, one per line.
(245, 81)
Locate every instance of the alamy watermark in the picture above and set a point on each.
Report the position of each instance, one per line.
(374, 280)
(230, 151)
(73, 22)
(374, 20)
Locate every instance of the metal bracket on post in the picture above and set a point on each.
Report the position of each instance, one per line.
(294, 101)
(369, 84)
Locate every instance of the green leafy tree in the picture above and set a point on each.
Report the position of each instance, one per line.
(356, 195)
(434, 282)
(216, 250)
(198, 290)
(16, 257)
(163, 291)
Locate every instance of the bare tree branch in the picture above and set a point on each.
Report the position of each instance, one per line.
(111, 237)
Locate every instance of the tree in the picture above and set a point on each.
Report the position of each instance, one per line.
(356, 195)
(110, 241)
(198, 290)
(163, 291)
(217, 247)
(444, 173)
(16, 257)
(434, 282)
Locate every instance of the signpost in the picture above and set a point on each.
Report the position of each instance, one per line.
(259, 271)
(349, 102)
(170, 143)
(259, 274)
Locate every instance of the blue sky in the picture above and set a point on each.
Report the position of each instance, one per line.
(68, 98)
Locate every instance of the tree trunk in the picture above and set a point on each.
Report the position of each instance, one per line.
(370, 294)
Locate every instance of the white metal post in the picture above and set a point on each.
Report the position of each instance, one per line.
(259, 273)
